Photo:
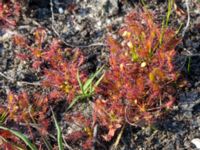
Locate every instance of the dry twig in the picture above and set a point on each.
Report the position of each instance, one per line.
(19, 82)
(188, 17)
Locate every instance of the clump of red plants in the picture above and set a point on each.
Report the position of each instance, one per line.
(140, 82)
(29, 113)
(57, 66)
(11, 144)
(137, 88)
(9, 13)
(57, 69)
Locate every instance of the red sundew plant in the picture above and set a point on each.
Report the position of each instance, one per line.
(10, 142)
(23, 110)
(60, 71)
(61, 76)
(84, 130)
(9, 13)
(36, 49)
(139, 84)
(18, 107)
(136, 89)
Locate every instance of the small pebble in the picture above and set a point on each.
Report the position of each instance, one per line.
(196, 142)
(60, 10)
(143, 64)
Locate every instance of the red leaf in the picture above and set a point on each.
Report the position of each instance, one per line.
(36, 64)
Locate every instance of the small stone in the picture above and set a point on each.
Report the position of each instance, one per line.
(196, 142)
(143, 64)
(198, 120)
(99, 23)
(60, 10)
(108, 21)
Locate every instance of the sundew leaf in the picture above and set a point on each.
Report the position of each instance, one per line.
(13, 145)
(98, 81)
(3, 117)
(21, 136)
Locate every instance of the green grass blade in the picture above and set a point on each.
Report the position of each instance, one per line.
(79, 82)
(91, 79)
(189, 65)
(162, 32)
(21, 136)
(143, 3)
(166, 21)
(98, 81)
(74, 101)
(19, 148)
(59, 133)
(47, 144)
(179, 28)
(88, 87)
(3, 117)
(170, 5)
